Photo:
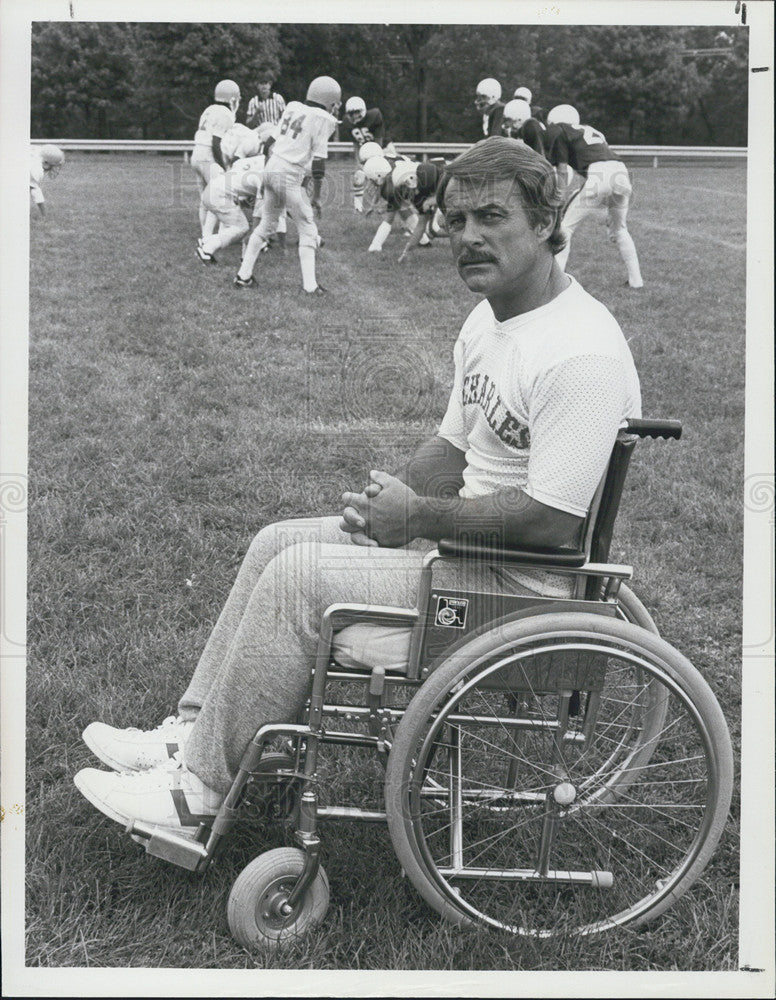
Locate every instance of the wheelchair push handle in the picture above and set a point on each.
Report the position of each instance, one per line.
(654, 428)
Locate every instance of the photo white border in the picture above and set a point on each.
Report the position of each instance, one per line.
(757, 870)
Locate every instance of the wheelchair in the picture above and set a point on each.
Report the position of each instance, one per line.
(551, 766)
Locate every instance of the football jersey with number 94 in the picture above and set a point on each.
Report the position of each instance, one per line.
(303, 134)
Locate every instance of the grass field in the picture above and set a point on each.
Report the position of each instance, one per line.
(172, 416)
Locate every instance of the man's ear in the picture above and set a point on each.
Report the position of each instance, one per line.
(544, 229)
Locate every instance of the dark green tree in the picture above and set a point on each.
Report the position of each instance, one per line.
(81, 78)
(635, 84)
(721, 57)
(178, 65)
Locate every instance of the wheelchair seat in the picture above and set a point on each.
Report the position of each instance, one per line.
(365, 646)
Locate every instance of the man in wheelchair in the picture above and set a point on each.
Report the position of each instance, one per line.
(543, 381)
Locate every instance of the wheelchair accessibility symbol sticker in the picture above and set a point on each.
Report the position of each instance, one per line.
(451, 612)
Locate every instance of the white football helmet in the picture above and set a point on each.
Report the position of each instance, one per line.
(377, 168)
(563, 114)
(405, 174)
(324, 90)
(368, 150)
(52, 158)
(488, 92)
(355, 109)
(227, 92)
(515, 113)
(523, 94)
(265, 131)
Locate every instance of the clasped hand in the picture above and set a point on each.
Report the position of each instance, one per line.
(381, 515)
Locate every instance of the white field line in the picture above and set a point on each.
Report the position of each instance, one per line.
(706, 190)
(683, 234)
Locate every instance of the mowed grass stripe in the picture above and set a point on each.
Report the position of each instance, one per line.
(171, 417)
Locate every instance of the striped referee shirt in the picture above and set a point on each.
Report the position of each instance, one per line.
(269, 110)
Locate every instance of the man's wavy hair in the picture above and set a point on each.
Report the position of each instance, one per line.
(499, 158)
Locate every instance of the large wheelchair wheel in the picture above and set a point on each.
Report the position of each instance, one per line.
(507, 809)
(632, 610)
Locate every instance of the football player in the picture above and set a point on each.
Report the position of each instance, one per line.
(525, 94)
(215, 121)
(430, 221)
(239, 143)
(572, 146)
(361, 126)
(487, 101)
(301, 147)
(397, 189)
(45, 161)
(228, 197)
(518, 123)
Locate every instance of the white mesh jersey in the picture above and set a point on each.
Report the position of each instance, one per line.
(216, 119)
(303, 135)
(234, 143)
(538, 399)
(37, 173)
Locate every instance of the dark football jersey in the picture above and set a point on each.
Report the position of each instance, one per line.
(428, 179)
(489, 123)
(371, 128)
(392, 197)
(577, 145)
(532, 133)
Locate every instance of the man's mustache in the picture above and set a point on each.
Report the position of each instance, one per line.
(474, 258)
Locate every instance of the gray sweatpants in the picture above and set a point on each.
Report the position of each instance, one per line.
(256, 666)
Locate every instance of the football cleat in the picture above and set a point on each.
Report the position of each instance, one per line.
(206, 258)
(244, 282)
(169, 796)
(318, 290)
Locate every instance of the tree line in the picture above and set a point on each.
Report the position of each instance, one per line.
(639, 85)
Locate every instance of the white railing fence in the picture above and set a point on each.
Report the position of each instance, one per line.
(424, 149)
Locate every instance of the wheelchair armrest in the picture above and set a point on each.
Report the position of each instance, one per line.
(565, 558)
(654, 428)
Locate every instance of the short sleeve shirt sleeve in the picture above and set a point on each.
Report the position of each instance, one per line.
(323, 130)
(576, 410)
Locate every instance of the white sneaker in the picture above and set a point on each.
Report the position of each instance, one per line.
(169, 796)
(375, 250)
(135, 749)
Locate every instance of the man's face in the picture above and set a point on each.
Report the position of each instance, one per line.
(493, 243)
(482, 103)
(265, 88)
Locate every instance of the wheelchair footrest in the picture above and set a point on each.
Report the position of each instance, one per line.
(595, 879)
(170, 846)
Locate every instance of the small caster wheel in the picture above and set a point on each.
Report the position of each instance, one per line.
(258, 910)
